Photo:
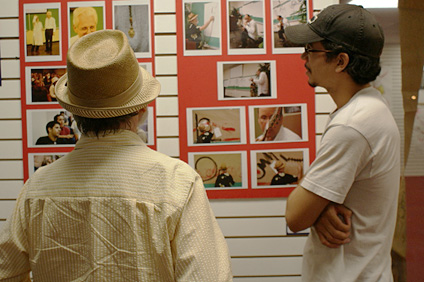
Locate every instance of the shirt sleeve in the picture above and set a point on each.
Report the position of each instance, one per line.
(343, 153)
(199, 247)
(261, 79)
(14, 257)
(250, 27)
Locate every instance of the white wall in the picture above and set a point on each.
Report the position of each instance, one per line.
(255, 229)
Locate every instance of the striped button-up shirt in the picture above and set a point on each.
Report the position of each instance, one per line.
(114, 210)
(50, 23)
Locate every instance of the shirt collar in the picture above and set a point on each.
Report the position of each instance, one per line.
(119, 138)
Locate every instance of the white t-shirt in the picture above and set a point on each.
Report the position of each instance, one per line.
(252, 29)
(262, 82)
(358, 164)
(50, 23)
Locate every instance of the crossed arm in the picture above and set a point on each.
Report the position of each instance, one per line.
(332, 221)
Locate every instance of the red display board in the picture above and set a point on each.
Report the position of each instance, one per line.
(246, 112)
(47, 29)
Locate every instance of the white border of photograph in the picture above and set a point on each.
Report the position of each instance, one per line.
(273, 79)
(150, 127)
(83, 4)
(217, 28)
(28, 84)
(190, 128)
(41, 127)
(133, 3)
(244, 170)
(253, 168)
(31, 159)
(45, 58)
(285, 50)
(246, 51)
(304, 117)
(147, 66)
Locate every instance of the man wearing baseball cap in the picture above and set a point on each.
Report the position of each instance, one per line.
(357, 166)
(112, 209)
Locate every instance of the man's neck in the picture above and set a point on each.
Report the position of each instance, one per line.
(53, 138)
(343, 92)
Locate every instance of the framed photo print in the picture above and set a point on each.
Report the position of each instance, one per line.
(278, 168)
(278, 123)
(287, 13)
(51, 128)
(37, 160)
(246, 27)
(85, 18)
(43, 32)
(146, 129)
(246, 80)
(221, 170)
(216, 126)
(133, 18)
(40, 84)
(202, 27)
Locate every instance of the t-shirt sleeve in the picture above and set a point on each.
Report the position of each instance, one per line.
(343, 153)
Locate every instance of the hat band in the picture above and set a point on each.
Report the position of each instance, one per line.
(119, 99)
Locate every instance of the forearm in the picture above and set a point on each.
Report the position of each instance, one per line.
(303, 208)
(333, 225)
(203, 27)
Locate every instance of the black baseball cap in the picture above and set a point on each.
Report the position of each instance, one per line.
(351, 26)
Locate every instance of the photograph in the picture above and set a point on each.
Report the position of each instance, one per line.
(37, 160)
(40, 83)
(43, 40)
(278, 168)
(202, 27)
(147, 67)
(84, 18)
(133, 18)
(221, 170)
(246, 80)
(51, 127)
(216, 126)
(246, 27)
(287, 13)
(146, 128)
(278, 123)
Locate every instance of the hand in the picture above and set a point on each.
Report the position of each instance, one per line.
(333, 225)
(212, 18)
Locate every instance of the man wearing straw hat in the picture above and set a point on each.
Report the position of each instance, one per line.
(194, 32)
(358, 163)
(112, 209)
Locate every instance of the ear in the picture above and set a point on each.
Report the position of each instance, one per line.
(142, 110)
(342, 62)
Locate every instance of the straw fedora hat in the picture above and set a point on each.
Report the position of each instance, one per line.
(104, 79)
(192, 17)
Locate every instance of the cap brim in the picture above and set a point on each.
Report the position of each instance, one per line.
(301, 34)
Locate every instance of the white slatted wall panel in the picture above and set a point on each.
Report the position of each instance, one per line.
(255, 229)
(11, 166)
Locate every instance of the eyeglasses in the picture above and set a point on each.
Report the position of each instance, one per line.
(310, 50)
